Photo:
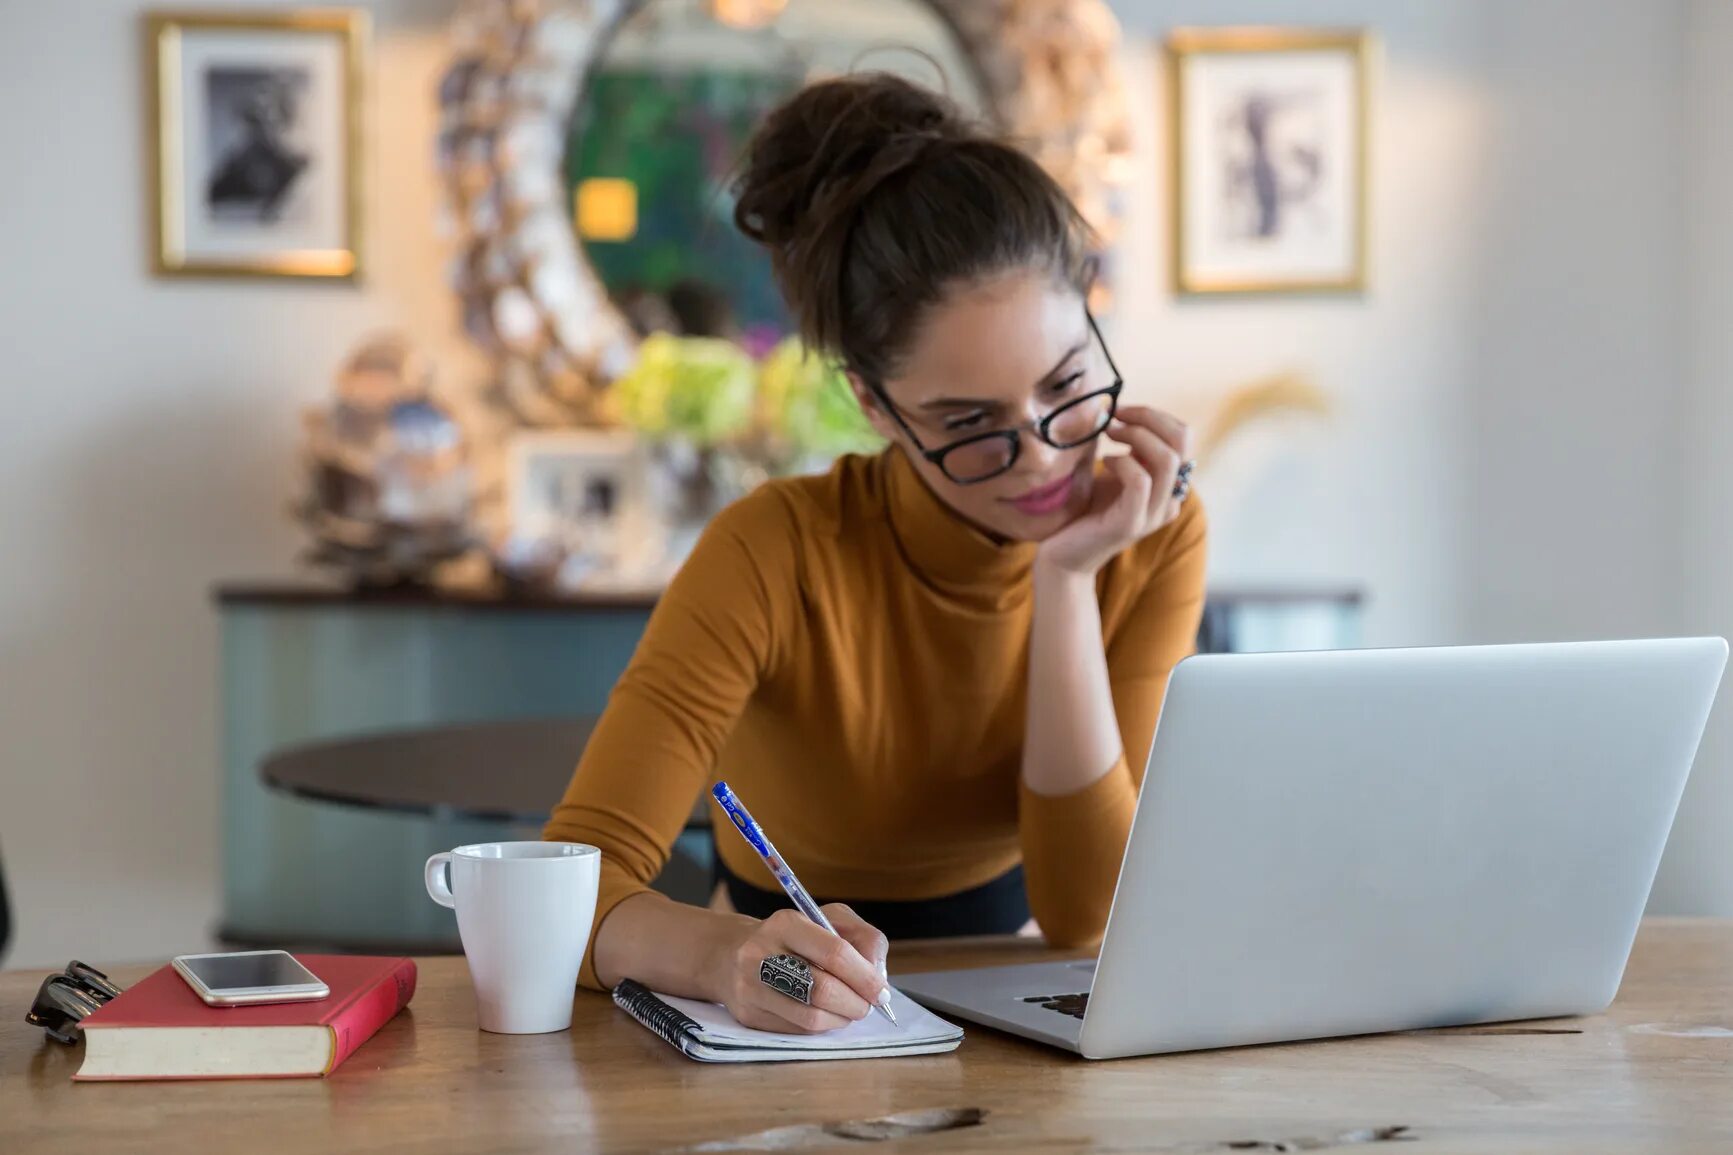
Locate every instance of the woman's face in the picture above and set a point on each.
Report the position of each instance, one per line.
(1000, 355)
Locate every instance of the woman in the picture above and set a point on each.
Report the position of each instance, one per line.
(932, 674)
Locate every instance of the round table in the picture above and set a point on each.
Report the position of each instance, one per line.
(512, 771)
(501, 771)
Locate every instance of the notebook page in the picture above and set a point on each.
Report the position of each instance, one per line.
(915, 1025)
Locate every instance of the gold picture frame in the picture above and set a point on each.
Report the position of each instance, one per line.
(1231, 242)
(235, 232)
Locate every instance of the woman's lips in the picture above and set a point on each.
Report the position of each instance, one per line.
(1049, 498)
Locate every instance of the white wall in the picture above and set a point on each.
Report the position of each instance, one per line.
(1535, 397)
(1372, 497)
(1571, 458)
(1697, 874)
(1501, 466)
(147, 442)
(1509, 396)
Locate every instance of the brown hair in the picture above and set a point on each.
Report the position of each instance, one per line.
(876, 197)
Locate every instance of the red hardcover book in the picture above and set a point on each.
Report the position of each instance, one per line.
(159, 1029)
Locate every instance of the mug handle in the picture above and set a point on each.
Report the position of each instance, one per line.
(438, 881)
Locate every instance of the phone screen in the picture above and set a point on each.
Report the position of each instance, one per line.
(239, 971)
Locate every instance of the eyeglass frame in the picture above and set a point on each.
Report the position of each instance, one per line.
(65, 999)
(1015, 433)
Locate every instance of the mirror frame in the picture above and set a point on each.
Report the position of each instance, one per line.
(1047, 69)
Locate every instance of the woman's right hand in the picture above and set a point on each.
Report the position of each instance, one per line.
(848, 974)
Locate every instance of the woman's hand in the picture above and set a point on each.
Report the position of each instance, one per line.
(1133, 495)
(848, 975)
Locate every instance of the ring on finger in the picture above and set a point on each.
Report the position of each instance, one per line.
(1182, 480)
(788, 974)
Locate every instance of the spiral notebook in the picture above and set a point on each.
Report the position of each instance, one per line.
(708, 1033)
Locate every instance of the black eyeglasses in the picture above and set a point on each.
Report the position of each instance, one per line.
(66, 999)
(985, 456)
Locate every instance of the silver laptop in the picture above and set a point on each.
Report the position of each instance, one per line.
(1355, 841)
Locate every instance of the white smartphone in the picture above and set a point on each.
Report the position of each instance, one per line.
(252, 976)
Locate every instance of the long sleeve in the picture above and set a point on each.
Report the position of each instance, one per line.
(1073, 843)
(714, 636)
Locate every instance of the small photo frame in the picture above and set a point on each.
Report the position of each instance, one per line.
(587, 492)
(257, 150)
(1269, 131)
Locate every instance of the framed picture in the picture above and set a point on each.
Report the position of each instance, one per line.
(257, 157)
(587, 492)
(1269, 160)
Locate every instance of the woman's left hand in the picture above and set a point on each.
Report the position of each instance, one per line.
(1133, 494)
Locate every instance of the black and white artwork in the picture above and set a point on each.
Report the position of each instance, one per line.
(576, 500)
(1270, 180)
(260, 149)
(257, 152)
(587, 492)
(1270, 148)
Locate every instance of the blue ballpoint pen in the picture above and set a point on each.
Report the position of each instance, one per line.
(754, 835)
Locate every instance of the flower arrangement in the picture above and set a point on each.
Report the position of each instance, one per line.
(719, 421)
(806, 402)
(785, 412)
(697, 389)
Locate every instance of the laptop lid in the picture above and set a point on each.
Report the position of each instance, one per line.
(1352, 841)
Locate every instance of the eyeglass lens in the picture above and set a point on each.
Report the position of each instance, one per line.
(1067, 428)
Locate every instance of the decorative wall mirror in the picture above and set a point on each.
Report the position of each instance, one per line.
(583, 148)
(669, 102)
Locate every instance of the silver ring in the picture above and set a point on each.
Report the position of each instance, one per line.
(788, 974)
(1182, 480)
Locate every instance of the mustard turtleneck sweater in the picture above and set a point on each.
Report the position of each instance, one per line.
(853, 658)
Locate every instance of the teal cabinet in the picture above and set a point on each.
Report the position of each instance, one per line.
(304, 665)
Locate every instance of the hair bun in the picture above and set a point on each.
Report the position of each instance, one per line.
(829, 145)
(874, 195)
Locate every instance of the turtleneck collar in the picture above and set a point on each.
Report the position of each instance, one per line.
(946, 552)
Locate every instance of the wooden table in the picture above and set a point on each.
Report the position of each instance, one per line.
(513, 770)
(1653, 1075)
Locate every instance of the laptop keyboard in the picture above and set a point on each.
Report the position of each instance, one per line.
(1073, 1005)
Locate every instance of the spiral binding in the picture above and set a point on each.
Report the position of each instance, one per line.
(669, 1024)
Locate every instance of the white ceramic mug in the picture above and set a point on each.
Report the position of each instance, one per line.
(524, 911)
